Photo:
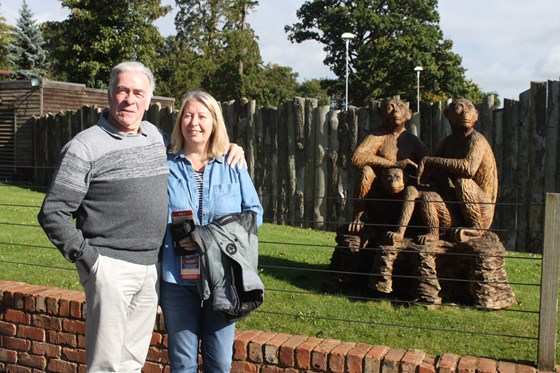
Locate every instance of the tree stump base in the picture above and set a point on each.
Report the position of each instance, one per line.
(471, 272)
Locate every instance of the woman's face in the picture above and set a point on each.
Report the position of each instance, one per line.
(197, 124)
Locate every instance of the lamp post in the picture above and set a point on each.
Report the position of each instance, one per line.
(347, 36)
(418, 69)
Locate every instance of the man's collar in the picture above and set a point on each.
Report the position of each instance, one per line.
(114, 131)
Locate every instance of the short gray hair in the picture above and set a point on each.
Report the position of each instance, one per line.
(132, 66)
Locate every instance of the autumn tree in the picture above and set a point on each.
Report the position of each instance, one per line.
(98, 34)
(391, 38)
(26, 56)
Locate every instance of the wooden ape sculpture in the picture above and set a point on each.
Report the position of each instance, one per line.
(390, 146)
(464, 167)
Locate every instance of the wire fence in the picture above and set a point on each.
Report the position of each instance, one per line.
(296, 265)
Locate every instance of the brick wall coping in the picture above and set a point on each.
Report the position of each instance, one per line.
(42, 328)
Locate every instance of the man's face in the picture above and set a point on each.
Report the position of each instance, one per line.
(128, 101)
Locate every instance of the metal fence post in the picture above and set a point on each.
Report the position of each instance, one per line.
(549, 284)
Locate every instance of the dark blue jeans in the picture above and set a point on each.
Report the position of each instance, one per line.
(189, 321)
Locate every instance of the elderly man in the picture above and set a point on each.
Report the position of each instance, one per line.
(112, 178)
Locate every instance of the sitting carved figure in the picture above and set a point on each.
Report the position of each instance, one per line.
(465, 168)
(387, 147)
(436, 215)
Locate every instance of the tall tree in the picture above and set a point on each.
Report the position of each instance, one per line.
(27, 57)
(5, 40)
(217, 32)
(391, 38)
(99, 34)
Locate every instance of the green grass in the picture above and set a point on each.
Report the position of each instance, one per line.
(293, 263)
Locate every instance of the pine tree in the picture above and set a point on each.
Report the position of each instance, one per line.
(27, 58)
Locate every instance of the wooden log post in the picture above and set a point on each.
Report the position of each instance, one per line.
(551, 140)
(301, 166)
(537, 151)
(522, 166)
(250, 141)
(309, 179)
(549, 285)
(508, 196)
(334, 211)
(291, 176)
(320, 192)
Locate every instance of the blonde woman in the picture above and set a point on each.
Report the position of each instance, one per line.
(202, 182)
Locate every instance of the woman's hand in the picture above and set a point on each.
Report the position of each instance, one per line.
(236, 155)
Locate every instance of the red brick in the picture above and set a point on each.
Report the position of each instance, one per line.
(244, 367)
(522, 368)
(428, 364)
(17, 344)
(447, 363)
(240, 343)
(271, 369)
(8, 356)
(45, 349)
(355, 358)
(59, 338)
(31, 332)
(271, 348)
(486, 365)
(392, 360)
(63, 307)
(18, 369)
(74, 326)
(82, 342)
(7, 328)
(74, 356)
(33, 361)
(373, 359)
(337, 357)
(467, 364)
(320, 354)
(61, 366)
(506, 367)
(46, 322)
(150, 367)
(16, 316)
(158, 355)
(303, 352)
(411, 361)
(30, 298)
(255, 347)
(286, 354)
(157, 339)
(76, 307)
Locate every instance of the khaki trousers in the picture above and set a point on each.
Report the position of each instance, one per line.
(121, 300)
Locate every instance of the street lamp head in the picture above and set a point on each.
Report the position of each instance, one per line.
(418, 68)
(348, 36)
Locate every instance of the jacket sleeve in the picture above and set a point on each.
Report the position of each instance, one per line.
(64, 197)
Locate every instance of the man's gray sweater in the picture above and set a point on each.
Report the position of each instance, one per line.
(115, 186)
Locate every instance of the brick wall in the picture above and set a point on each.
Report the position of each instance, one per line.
(42, 329)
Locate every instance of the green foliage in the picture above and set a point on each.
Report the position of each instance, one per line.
(391, 38)
(6, 35)
(313, 88)
(294, 266)
(98, 34)
(223, 48)
(27, 58)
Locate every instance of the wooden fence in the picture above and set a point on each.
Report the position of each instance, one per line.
(299, 155)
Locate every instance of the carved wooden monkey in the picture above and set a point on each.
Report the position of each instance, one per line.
(465, 158)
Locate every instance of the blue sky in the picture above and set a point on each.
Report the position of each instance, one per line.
(505, 44)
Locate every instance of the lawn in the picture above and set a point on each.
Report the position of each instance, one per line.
(294, 267)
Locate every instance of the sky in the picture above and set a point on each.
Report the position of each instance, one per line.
(505, 44)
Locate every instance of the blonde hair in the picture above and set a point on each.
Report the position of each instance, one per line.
(218, 142)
